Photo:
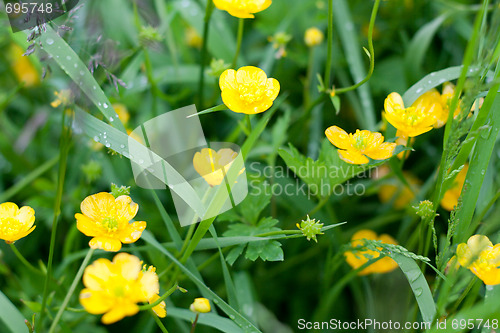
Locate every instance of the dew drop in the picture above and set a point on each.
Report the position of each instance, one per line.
(105, 105)
(141, 161)
(68, 57)
(94, 87)
(50, 41)
(418, 292)
(111, 119)
(232, 317)
(75, 65)
(96, 138)
(419, 90)
(82, 73)
(99, 104)
(108, 145)
(122, 146)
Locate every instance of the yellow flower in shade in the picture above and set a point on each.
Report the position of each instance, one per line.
(450, 198)
(313, 37)
(354, 148)
(122, 112)
(357, 259)
(431, 102)
(201, 305)
(107, 220)
(193, 39)
(15, 223)
(213, 165)
(411, 121)
(114, 288)
(398, 193)
(248, 90)
(63, 98)
(481, 257)
(23, 68)
(242, 8)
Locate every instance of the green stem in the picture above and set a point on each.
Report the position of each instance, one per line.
(241, 26)
(158, 321)
(193, 327)
(71, 290)
(63, 158)
(370, 51)
(279, 232)
(308, 83)
(24, 261)
(159, 300)
(328, 66)
(201, 83)
(249, 123)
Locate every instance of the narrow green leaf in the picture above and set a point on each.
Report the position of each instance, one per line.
(208, 319)
(10, 315)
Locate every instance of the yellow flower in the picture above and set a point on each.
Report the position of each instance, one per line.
(431, 103)
(114, 288)
(313, 37)
(354, 148)
(122, 112)
(248, 90)
(107, 220)
(450, 198)
(357, 259)
(411, 121)
(481, 257)
(201, 305)
(396, 191)
(192, 37)
(242, 8)
(15, 223)
(22, 67)
(210, 164)
(62, 97)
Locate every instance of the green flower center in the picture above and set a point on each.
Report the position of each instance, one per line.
(110, 223)
(360, 142)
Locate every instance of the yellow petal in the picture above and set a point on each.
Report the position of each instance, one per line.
(8, 209)
(273, 88)
(132, 232)
(353, 157)
(26, 216)
(105, 243)
(86, 226)
(97, 274)
(127, 265)
(338, 137)
(382, 152)
(251, 75)
(160, 308)
(95, 302)
(126, 209)
(98, 206)
(119, 312)
(392, 102)
(149, 284)
(227, 80)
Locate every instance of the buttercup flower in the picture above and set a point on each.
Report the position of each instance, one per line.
(481, 257)
(212, 165)
(242, 8)
(357, 259)
(411, 121)
(431, 103)
(62, 98)
(201, 305)
(354, 148)
(114, 288)
(15, 223)
(450, 198)
(248, 90)
(313, 37)
(22, 67)
(395, 191)
(107, 220)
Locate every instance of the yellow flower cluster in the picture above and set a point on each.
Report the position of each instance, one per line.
(106, 219)
(450, 198)
(242, 8)
(356, 148)
(114, 288)
(357, 259)
(15, 222)
(481, 257)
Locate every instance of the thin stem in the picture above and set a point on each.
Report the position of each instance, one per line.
(193, 327)
(159, 300)
(249, 123)
(24, 261)
(328, 66)
(241, 27)
(63, 158)
(208, 15)
(158, 321)
(71, 290)
(370, 51)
